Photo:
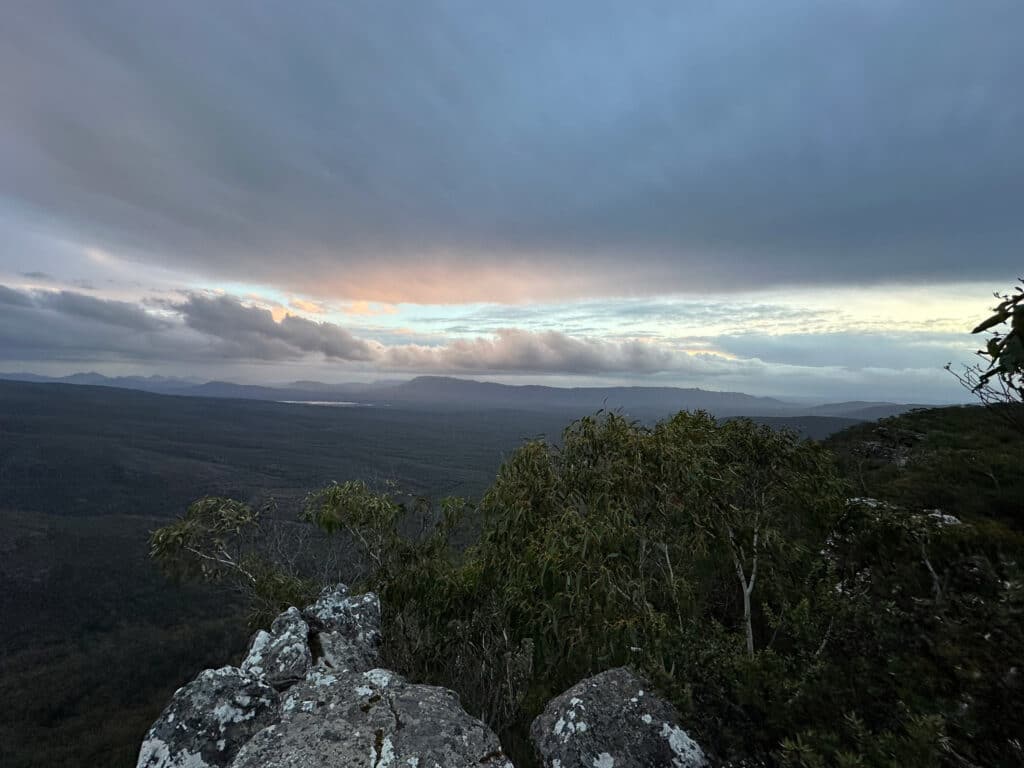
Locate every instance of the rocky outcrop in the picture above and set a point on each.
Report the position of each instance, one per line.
(893, 446)
(612, 720)
(308, 694)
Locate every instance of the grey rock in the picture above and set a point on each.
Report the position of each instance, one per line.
(287, 709)
(612, 720)
(281, 656)
(348, 654)
(208, 720)
(374, 719)
(328, 608)
(347, 627)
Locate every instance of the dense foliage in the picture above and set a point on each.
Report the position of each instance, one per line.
(725, 562)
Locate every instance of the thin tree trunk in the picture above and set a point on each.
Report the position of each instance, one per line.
(746, 621)
(747, 587)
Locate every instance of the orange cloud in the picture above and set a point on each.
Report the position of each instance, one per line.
(368, 308)
(306, 306)
(441, 278)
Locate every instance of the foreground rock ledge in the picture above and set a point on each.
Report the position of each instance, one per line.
(308, 695)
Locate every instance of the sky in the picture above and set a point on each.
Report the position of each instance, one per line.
(802, 199)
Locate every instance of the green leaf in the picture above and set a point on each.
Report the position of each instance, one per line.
(993, 321)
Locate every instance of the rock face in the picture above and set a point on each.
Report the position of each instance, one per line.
(309, 694)
(373, 719)
(282, 656)
(347, 628)
(612, 720)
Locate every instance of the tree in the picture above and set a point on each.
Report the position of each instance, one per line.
(998, 381)
(227, 542)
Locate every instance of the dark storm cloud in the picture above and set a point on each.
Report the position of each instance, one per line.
(431, 150)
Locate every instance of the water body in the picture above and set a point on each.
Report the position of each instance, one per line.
(331, 403)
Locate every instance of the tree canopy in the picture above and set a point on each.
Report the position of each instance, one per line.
(725, 560)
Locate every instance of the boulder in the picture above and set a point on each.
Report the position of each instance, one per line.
(612, 720)
(347, 629)
(209, 720)
(373, 719)
(281, 656)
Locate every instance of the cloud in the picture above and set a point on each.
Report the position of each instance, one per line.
(522, 351)
(218, 334)
(43, 325)
(106, 311)
(14, 298)
(892, 350)
(367, 308)
(61, 325)
(253, 331)
(303, 305)
(451, 151)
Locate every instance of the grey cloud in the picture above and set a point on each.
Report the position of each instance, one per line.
(14, 298)
(102, 310)
(41, 326)
(591, 148)
(254, 329)
(47, 325)
(516, 350)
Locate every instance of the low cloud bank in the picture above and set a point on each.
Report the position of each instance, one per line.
(223, 335)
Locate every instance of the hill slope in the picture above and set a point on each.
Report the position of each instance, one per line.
(963, 460)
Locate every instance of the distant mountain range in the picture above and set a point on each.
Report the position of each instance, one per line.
(449, 392)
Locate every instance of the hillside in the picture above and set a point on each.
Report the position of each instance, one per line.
(962, 460)
(449, 392)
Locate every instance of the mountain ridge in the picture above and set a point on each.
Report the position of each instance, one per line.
(450, 391)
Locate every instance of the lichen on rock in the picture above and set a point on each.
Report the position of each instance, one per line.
(281, 656)
(612, 720)
(209, 720)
